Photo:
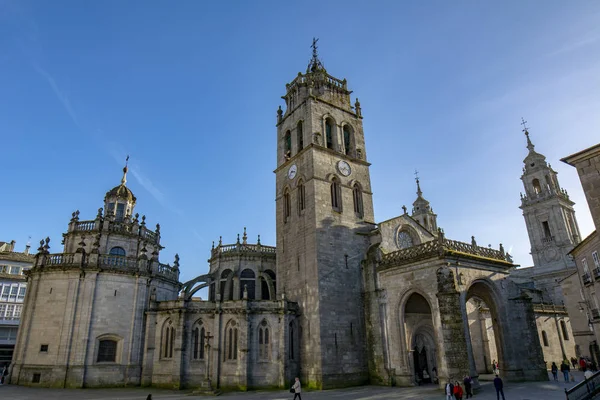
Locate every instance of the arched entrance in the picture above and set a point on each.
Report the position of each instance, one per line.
(484, 328)
(418, 326)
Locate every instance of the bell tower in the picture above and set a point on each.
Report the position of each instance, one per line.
(550, 220)
(324, 209)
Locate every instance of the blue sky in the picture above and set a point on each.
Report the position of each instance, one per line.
(189, 90)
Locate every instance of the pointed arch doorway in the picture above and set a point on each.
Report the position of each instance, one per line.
(418, 325)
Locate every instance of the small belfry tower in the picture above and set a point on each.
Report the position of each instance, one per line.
(324, 208)
(550, 220)
(423, 213)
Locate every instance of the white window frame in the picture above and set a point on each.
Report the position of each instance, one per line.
(596, 259)
(14, 292)
(586, 270)
(15, 270)
(24, 290)
(5, 293)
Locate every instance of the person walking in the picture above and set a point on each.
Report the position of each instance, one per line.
(499, 385)
(458, 391)
(4, 374)
(564, 368)
(554, 370)
(449, 390)
(297, 389)
(468, 386)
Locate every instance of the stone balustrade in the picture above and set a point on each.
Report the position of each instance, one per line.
(549, 308)
(319, 77)
(440, 247)
(124, 227)
(535, 197)
(238, 248)
(106, 262)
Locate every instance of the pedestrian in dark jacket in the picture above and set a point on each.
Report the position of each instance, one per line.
(499, 385)
(554, 370)
(468, 386)
(564, 368)
(449, 391)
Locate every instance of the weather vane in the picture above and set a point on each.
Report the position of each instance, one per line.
(416, 175)
(314, 47)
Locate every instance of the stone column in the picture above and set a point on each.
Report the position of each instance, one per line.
(455, 357)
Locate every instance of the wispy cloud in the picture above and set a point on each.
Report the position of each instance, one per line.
(60, 94)
(587, 39)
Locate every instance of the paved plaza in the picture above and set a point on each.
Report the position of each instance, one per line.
(513, 391)
(527, 391)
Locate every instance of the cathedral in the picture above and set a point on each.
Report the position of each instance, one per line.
(341, 299)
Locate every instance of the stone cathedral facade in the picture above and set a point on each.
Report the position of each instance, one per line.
(340, 300)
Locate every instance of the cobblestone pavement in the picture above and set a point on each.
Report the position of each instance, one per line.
(513, 391)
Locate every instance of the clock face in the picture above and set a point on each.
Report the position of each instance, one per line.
(344, 168)
(292, 171)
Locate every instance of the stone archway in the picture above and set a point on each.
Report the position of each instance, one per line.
(421, 343)
(485, 332)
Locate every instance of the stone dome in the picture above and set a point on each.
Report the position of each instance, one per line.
(121, 192)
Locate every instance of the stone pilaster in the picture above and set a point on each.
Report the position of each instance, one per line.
(455, 362)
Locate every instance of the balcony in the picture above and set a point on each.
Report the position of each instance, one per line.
(548, 239)
(586, 279)
(595, 313)
(596, 272)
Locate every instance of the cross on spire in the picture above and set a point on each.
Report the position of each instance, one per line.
(530, 145)
(125, 169)
(314, 48)
(315, 64)
(525, 128)
(418, 184)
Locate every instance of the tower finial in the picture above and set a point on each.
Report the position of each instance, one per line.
(418, 184)
(525, 129)
(125, 169)
(315, 64)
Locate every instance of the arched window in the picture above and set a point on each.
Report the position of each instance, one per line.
(107, 350)
(120, 212)
(198, 335)
(265, 293)
(231, 341)
(211, 292)
(248, 281)
(545, 338)
(358, 201)
(301, 199)
(536, 186)
(563, 327)
(287, 152)
(286, 205)
(329, 133)
(336, 195)
(300, 134)
(226, 286)
(291, 341)
(347, 140)
(117, 251)
(168, 339)
(264, 342)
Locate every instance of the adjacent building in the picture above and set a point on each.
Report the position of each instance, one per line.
(587, 253)
(13, 287)
(553, 232)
